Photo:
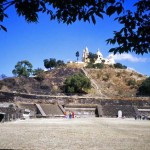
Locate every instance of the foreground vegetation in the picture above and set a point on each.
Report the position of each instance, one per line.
(132, 37)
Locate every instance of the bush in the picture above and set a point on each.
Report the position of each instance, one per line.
(45, 87)
(131, 82)
(106, 77)
(77, 83)
(144, 89)
(60, 63)
(90, 65)
(120, 66)
(39, 74)
(98, 65)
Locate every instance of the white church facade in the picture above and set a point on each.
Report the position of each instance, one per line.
(100, 59)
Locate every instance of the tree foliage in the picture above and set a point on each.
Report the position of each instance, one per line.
(46, 63)
(60, 63)
(23, 68)
(144, 89)
(50, 63)
(120, 66)
(77, 83)
(39, 74)
(3, 76)
(77, 55)
(98, 65)
(92, 57)
(135, 33)
(133, 37)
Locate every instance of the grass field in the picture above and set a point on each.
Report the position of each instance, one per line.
(76, 134)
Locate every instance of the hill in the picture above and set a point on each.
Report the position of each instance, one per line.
(51, 84)
(107, 82)
(114, 82)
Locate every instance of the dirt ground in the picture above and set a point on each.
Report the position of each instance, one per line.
(76, 134)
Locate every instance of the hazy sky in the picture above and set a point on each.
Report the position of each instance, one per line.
(49, 39)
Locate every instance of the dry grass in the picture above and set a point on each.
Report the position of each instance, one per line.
(115, 82)
(76, 134)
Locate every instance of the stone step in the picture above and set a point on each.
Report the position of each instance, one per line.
(41, 110)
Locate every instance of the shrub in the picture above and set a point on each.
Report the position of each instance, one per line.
(144, 89)
(118, 74)
(131, 74)
(99, 65)
(140, 75)
(131, 82)
(106, 77)
(39, 73)
(45, 87)
(90, 65)
(120, 66)
(98, 75)
(77, 83)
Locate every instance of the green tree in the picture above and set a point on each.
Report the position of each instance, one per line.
(135, 32)
(60, 63)
(77, 55)
(39, 74)
(92, 57)
(77, 83)
(3, 76)
(52, 63)
(23, 68)
(144, 89)
(120, 66)
(46, 63)
(134, 35)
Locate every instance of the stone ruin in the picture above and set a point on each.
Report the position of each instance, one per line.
(15, 105)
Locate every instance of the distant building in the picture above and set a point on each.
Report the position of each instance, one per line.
(100, 58)
(85, 55)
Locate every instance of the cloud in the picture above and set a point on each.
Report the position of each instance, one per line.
(129, 57)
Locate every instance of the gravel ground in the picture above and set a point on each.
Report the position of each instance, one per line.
(76, 134)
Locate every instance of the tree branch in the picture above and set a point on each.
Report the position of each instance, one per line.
(8, 4)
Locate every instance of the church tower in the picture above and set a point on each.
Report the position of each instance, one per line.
(85, 55)
(99, 57)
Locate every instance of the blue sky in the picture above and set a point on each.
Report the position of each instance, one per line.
(50, 39)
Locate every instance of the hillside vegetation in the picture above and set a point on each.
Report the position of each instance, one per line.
(114, 82)
(51, 83)
(111, 82)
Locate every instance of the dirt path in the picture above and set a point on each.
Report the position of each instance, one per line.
(76, 134)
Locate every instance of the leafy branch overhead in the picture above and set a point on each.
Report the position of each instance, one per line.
(133, 37)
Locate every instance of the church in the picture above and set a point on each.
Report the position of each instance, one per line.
(100, 59)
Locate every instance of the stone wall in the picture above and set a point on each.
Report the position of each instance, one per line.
(32, 98)
(109, 107)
